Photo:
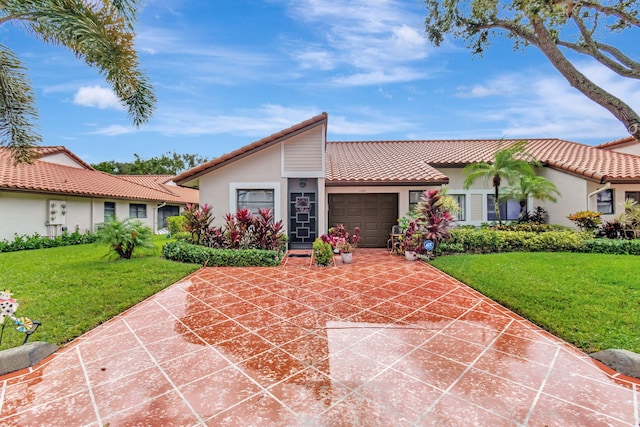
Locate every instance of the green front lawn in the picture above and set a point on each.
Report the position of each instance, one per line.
(589, 300)
(74, 288)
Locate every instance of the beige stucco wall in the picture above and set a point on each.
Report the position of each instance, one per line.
(26, 213)
(263, 170)
(300, 156)
(573, 196)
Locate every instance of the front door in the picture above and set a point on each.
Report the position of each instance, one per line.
(303, 212)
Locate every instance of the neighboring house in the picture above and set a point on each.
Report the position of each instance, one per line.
(628, 145)
(312, 184)
(61, 192)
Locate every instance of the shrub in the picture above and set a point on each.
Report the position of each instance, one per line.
(612, 230)
(538, 216)
(322, 252)
(615, 247)
(124, 237)
(35, 241)
(176, 224)
(484, 240)
(186, 252)
(243, 230)
(197, 221)
(586, 220)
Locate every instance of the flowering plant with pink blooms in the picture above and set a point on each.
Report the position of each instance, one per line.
(339, 238)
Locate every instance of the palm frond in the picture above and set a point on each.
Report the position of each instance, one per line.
(99, 33)
(17, 108)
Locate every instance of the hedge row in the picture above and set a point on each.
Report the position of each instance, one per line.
(197, 254)
(36, 241)
(466, 240)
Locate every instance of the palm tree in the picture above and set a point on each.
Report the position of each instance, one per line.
(538, 187)
(508, 164)
(100, 32)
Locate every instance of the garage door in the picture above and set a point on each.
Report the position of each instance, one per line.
(375, 214)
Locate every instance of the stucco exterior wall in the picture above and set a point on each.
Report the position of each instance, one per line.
(27, 213)
(573, 196)
(263, 170)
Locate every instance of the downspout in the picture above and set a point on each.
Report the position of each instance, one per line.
(155, 218)
(599, 190)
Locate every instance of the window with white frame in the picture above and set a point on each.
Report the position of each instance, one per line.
(254, 199)
(460, 200)
(109, 211)
(414, 199)
(605, 201)
(137, 210)
(509, 209)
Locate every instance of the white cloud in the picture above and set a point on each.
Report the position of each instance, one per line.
(547, 106)
(113, 130)
(378, 77)
(97, 96)
(317, 60)
(255, 123)
(368, 36)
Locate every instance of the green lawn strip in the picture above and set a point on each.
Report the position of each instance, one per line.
(75, 288)
(589, 300)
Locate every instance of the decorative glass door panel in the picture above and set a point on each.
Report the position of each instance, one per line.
(303, 221)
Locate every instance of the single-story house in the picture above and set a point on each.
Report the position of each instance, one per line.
(60, 192)
(312, 184)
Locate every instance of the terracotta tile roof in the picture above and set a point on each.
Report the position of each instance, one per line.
(617, 142)
(202, 169)
(404, 161)
(46, 177)
(385, 162)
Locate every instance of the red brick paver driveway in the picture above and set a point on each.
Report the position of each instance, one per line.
(380, 342)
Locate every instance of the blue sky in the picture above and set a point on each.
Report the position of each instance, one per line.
(229, 72)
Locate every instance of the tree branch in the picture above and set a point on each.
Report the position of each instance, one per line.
(620, 64)
(610, 11)
(547, 45)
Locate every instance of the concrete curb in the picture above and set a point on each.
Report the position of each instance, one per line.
(25, 356)
(623, 361)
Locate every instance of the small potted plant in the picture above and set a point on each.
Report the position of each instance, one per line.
(342, 242)
(410, 241)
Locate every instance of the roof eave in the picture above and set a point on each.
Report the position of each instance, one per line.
(385, 183)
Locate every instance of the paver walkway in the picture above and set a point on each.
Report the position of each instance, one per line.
(380, 342)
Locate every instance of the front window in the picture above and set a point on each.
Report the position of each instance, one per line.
(255, 199)
(509, 209)
(605, 202)
(633, 195)
(460, 200)
(109, 211)
(137, 210)
(414, 199)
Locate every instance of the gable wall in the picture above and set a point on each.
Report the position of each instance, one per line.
(632, 148)
(261, 170)
(62, 159)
